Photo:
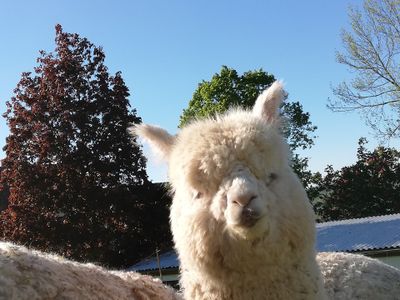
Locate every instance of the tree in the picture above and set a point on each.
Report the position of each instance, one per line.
(229, 89)
(155, 217)
(71, 168)
(370, 187)
(371, 51)
(4, 193)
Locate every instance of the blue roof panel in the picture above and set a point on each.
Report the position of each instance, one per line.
(359, 234)
(167, 260)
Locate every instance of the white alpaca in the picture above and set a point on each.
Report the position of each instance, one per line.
(349, 276)
(31, 275)
(241, 221)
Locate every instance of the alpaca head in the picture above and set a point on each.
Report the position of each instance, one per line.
(233, 187)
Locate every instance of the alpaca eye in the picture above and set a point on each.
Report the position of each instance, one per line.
(197, 195)
(271, 178)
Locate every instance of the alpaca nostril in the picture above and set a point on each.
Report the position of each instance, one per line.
(252, 198)
(243, 200)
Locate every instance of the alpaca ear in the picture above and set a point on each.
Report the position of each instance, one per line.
(159, 139)
(268, 103)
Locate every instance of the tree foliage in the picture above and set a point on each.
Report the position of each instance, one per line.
(370, 187)
(71, 168)
(4, 193)
(229, 89)
(155, 218)
(372, 52)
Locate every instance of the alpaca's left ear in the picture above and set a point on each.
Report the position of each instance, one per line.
(268, 103)
(159, 139)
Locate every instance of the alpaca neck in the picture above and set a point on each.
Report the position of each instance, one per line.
(291, 280)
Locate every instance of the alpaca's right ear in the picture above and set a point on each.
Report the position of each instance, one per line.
(268, 103)
(159, 139)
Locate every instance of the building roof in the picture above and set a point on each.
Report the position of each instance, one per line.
(366, 234)
(353, 235)
(167, 260)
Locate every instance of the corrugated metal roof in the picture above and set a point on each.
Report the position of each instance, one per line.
(373, 233)
(167, 260)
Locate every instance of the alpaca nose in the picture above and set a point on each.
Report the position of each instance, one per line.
(248, 214)
(242, 200)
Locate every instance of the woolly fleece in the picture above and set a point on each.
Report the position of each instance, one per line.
(350, 276)
(28, 274)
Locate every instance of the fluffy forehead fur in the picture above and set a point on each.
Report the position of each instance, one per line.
(206, 151)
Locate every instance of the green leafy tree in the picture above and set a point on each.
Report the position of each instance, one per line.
(229, 89)
(71, 168)
(370, 187)
(372, 52)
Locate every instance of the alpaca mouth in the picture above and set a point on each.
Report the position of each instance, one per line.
(248, 222)
(249, 217)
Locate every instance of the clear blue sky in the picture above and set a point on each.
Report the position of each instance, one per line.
(165, 48)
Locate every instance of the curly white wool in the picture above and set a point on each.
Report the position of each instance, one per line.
(29, 274)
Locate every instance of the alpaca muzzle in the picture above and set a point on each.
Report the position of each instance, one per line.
(249, 216)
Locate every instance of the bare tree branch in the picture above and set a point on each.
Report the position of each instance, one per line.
(372, 50)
